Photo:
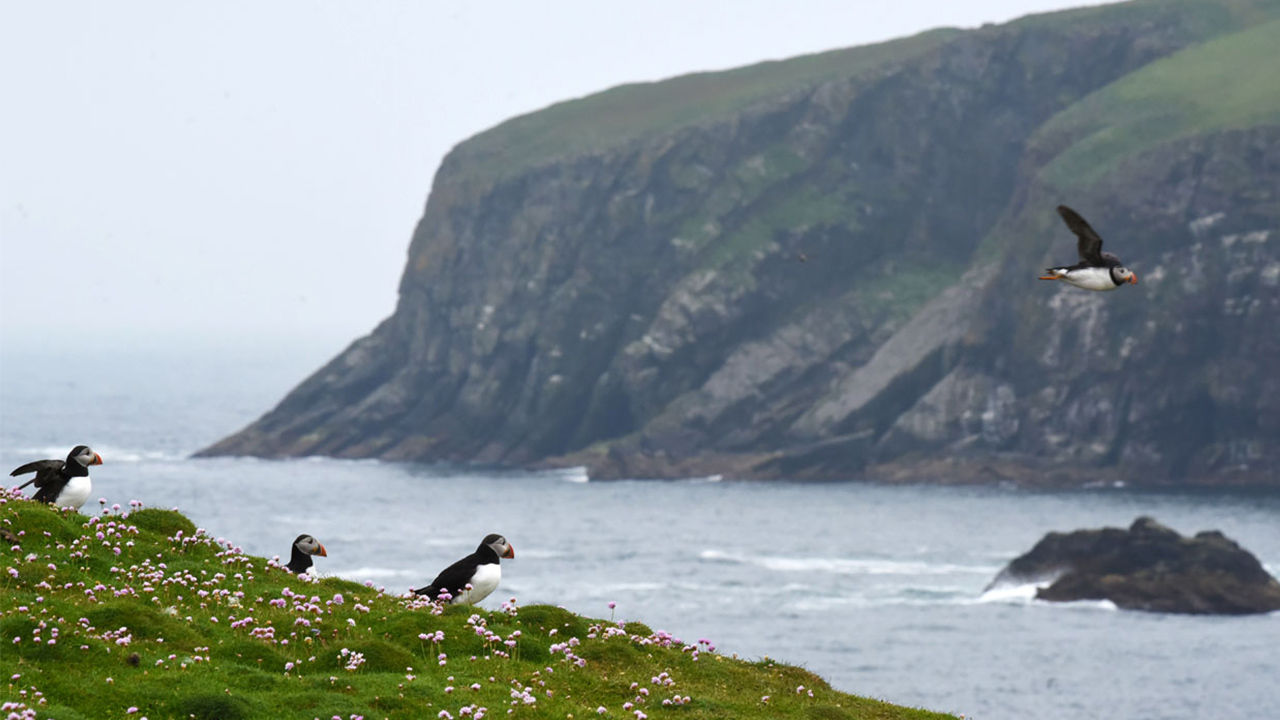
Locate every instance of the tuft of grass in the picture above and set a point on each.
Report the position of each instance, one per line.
(164, 522)
(142, 615)
(213, 707)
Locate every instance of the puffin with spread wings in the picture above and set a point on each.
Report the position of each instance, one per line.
(64, 483)
(1096, 270)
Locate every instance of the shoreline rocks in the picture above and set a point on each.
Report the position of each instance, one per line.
(1147, 567)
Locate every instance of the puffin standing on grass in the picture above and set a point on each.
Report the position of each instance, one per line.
(64, 483)
(1096, 270)
(304, 546)
(481, 570)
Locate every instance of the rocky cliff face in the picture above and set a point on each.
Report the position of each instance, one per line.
(836, 278)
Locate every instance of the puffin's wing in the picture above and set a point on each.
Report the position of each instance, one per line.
(37, 466)
(45, 470)
(51, 488)
(453, 578)
(1088, 242)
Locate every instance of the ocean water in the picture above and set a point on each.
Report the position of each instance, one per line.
(878, 589)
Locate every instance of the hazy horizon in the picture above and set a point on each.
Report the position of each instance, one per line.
(246, 172)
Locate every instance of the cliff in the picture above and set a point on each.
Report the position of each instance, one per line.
(825, 268)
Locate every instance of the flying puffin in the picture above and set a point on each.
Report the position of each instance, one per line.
(304, 546)
(1096, 270)
(64, 483)
(480, 569)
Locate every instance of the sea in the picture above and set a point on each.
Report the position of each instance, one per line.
(881, 590)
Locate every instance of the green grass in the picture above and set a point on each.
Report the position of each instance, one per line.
(897, 296)
(139, 610)
(629, 112)
(1225, 83)
(1201, 18)
(802, 206)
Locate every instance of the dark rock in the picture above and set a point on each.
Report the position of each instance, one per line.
(1147, 567)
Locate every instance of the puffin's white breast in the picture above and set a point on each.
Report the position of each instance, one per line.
(483, 582)
(1091, 278)
(75, 493)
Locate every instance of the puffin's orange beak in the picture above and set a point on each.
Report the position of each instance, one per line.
(511, 551)
(321, 552)
(1133, 278)
(97, 459)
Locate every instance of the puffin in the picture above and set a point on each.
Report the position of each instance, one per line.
(304, 546)
(480, 569)
(1096, 270)
(64, 483)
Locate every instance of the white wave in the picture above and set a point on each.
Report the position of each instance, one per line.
(1011, 593)
(468, 542)
(325, 459)
(630, 586)
(110, 454)
(821, 604)
(45, 451)
(541, 554)
(374, 573)
(1084, 604)
(847, 566)
(574, 475)
(1025, 594)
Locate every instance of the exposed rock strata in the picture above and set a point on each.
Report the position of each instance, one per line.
(838, 280)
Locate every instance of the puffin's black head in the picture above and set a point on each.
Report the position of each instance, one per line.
(498, 545)
(1121, 275)
(304, 546)
(80, 458)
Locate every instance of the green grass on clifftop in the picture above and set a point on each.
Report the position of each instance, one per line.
(628, 112)
(142, 615)
(1228, 82)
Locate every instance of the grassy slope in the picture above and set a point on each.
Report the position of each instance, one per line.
(622, 114)
(628, 112)
(1228, 82)
(140, 610)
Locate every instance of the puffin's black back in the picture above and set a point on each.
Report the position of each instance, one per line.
(455, 577)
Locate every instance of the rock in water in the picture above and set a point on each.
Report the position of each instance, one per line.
(1147, 567)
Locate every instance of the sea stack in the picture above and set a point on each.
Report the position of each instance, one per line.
(1147, 567)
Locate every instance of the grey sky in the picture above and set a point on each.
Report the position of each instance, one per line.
(234, 169)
